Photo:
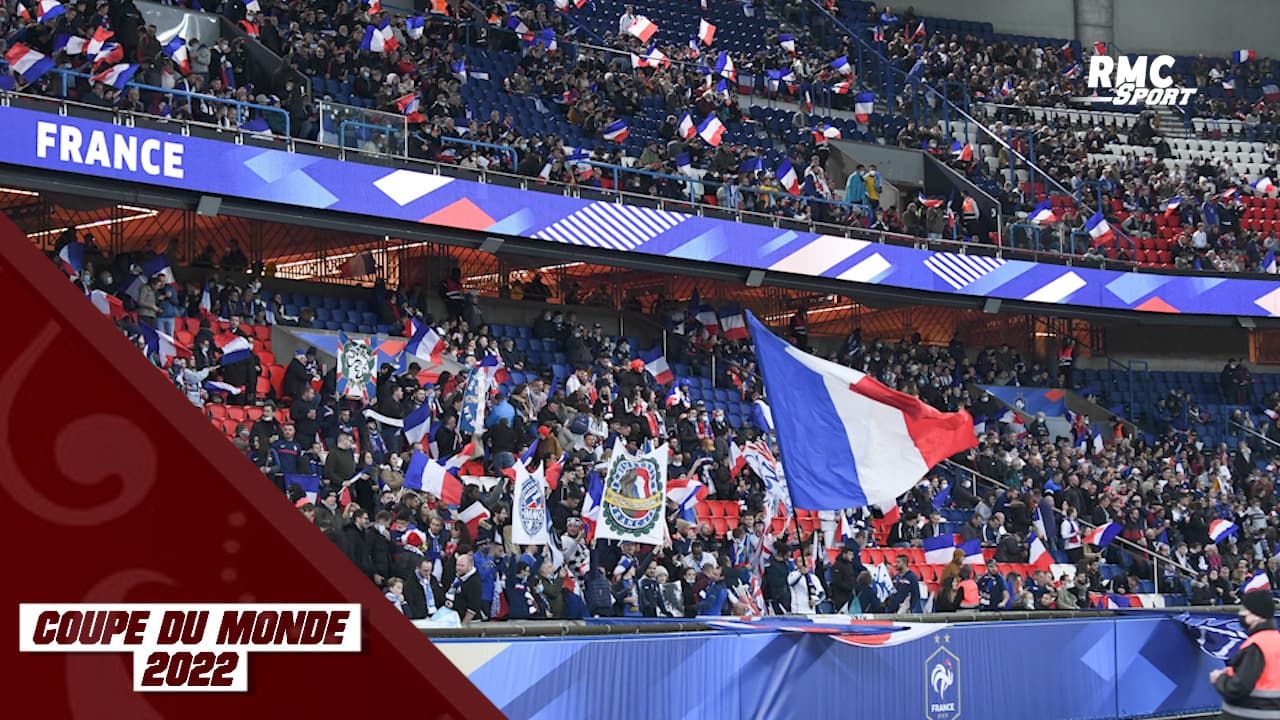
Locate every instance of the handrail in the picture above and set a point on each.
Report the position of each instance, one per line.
(507, 149)
(1090, 526)
(1264, 438)
(182, 93)
(731, 188)
(342, 132)
(908, 80)
(882, 237)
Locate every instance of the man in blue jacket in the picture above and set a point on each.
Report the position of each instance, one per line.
(906, 588)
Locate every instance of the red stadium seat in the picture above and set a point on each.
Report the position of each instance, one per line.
(236, 413)
(253, 413)
(216, 411)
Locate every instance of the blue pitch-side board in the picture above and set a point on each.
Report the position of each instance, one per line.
(43, 140)
(1047, 670)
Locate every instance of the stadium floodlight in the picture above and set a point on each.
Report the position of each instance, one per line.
(1247, 323)
(991, 306)
(755, 278)
(491, 245)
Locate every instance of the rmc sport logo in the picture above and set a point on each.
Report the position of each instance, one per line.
(1141, 80)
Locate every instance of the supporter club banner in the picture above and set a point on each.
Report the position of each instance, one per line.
(634, 497)
(530, 500)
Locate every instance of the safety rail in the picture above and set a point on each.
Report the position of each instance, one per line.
(1155, 557)
(616, 194)
(933, 95)
(504, 149)
(732, 190)
(342, 116)
(191, 97)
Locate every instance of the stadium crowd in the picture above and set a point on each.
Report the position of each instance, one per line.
(1165, 488)
(421, 70)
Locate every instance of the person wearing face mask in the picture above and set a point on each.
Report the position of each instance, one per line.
(1250, 684)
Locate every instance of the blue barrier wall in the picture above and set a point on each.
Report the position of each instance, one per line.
(1051, 669)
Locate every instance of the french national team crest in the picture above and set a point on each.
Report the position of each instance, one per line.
(356, 368)
(634, 496)
(942, 682)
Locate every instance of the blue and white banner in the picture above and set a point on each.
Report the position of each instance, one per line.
(102, 150)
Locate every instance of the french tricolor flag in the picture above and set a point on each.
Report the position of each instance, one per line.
(236, 349)
(72, 257)
(1037, 554)
(1099, 229)
(655, 363)
(1043, 214)
(788, 42)
(427, 344)
(591, 503)
(616, 131)
(787, 177)
(417, 424)
(706, 32)
(706, 317)
(414, 26)
(1102, 535)
(1220, 530)
(962, 151)
(864, 104)
(1244, 56)
(841, 65)
(973, 552)
(846, 439)
(409, 105)
(1171, 205)
(161, 345)
(643, 28)
(724, 67)
(1256, 581)
(438, 478)
(1264, 186)
(929, 202)
(472, 516)
(687, 129)
(49, 9)
(844, 87)
(711, 130)
(1271, 92)
(938, 549)
(221, 387)
(28, 63)
(493, 365)
(99, 39)
(732, 324)
(310, 485)
(176, 51)
(107, 304)
(686, 492)
(117, 75)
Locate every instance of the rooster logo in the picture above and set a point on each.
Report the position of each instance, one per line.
(941, 678)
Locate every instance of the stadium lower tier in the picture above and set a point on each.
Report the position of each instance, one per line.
(1103, 667)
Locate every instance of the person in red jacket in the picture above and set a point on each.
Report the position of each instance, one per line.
(1250, 684)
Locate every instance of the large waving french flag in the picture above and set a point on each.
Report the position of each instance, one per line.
(847, 440)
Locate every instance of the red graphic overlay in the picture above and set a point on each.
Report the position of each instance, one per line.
(119, 491)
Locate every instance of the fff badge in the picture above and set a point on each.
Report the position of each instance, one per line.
(942, 683)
